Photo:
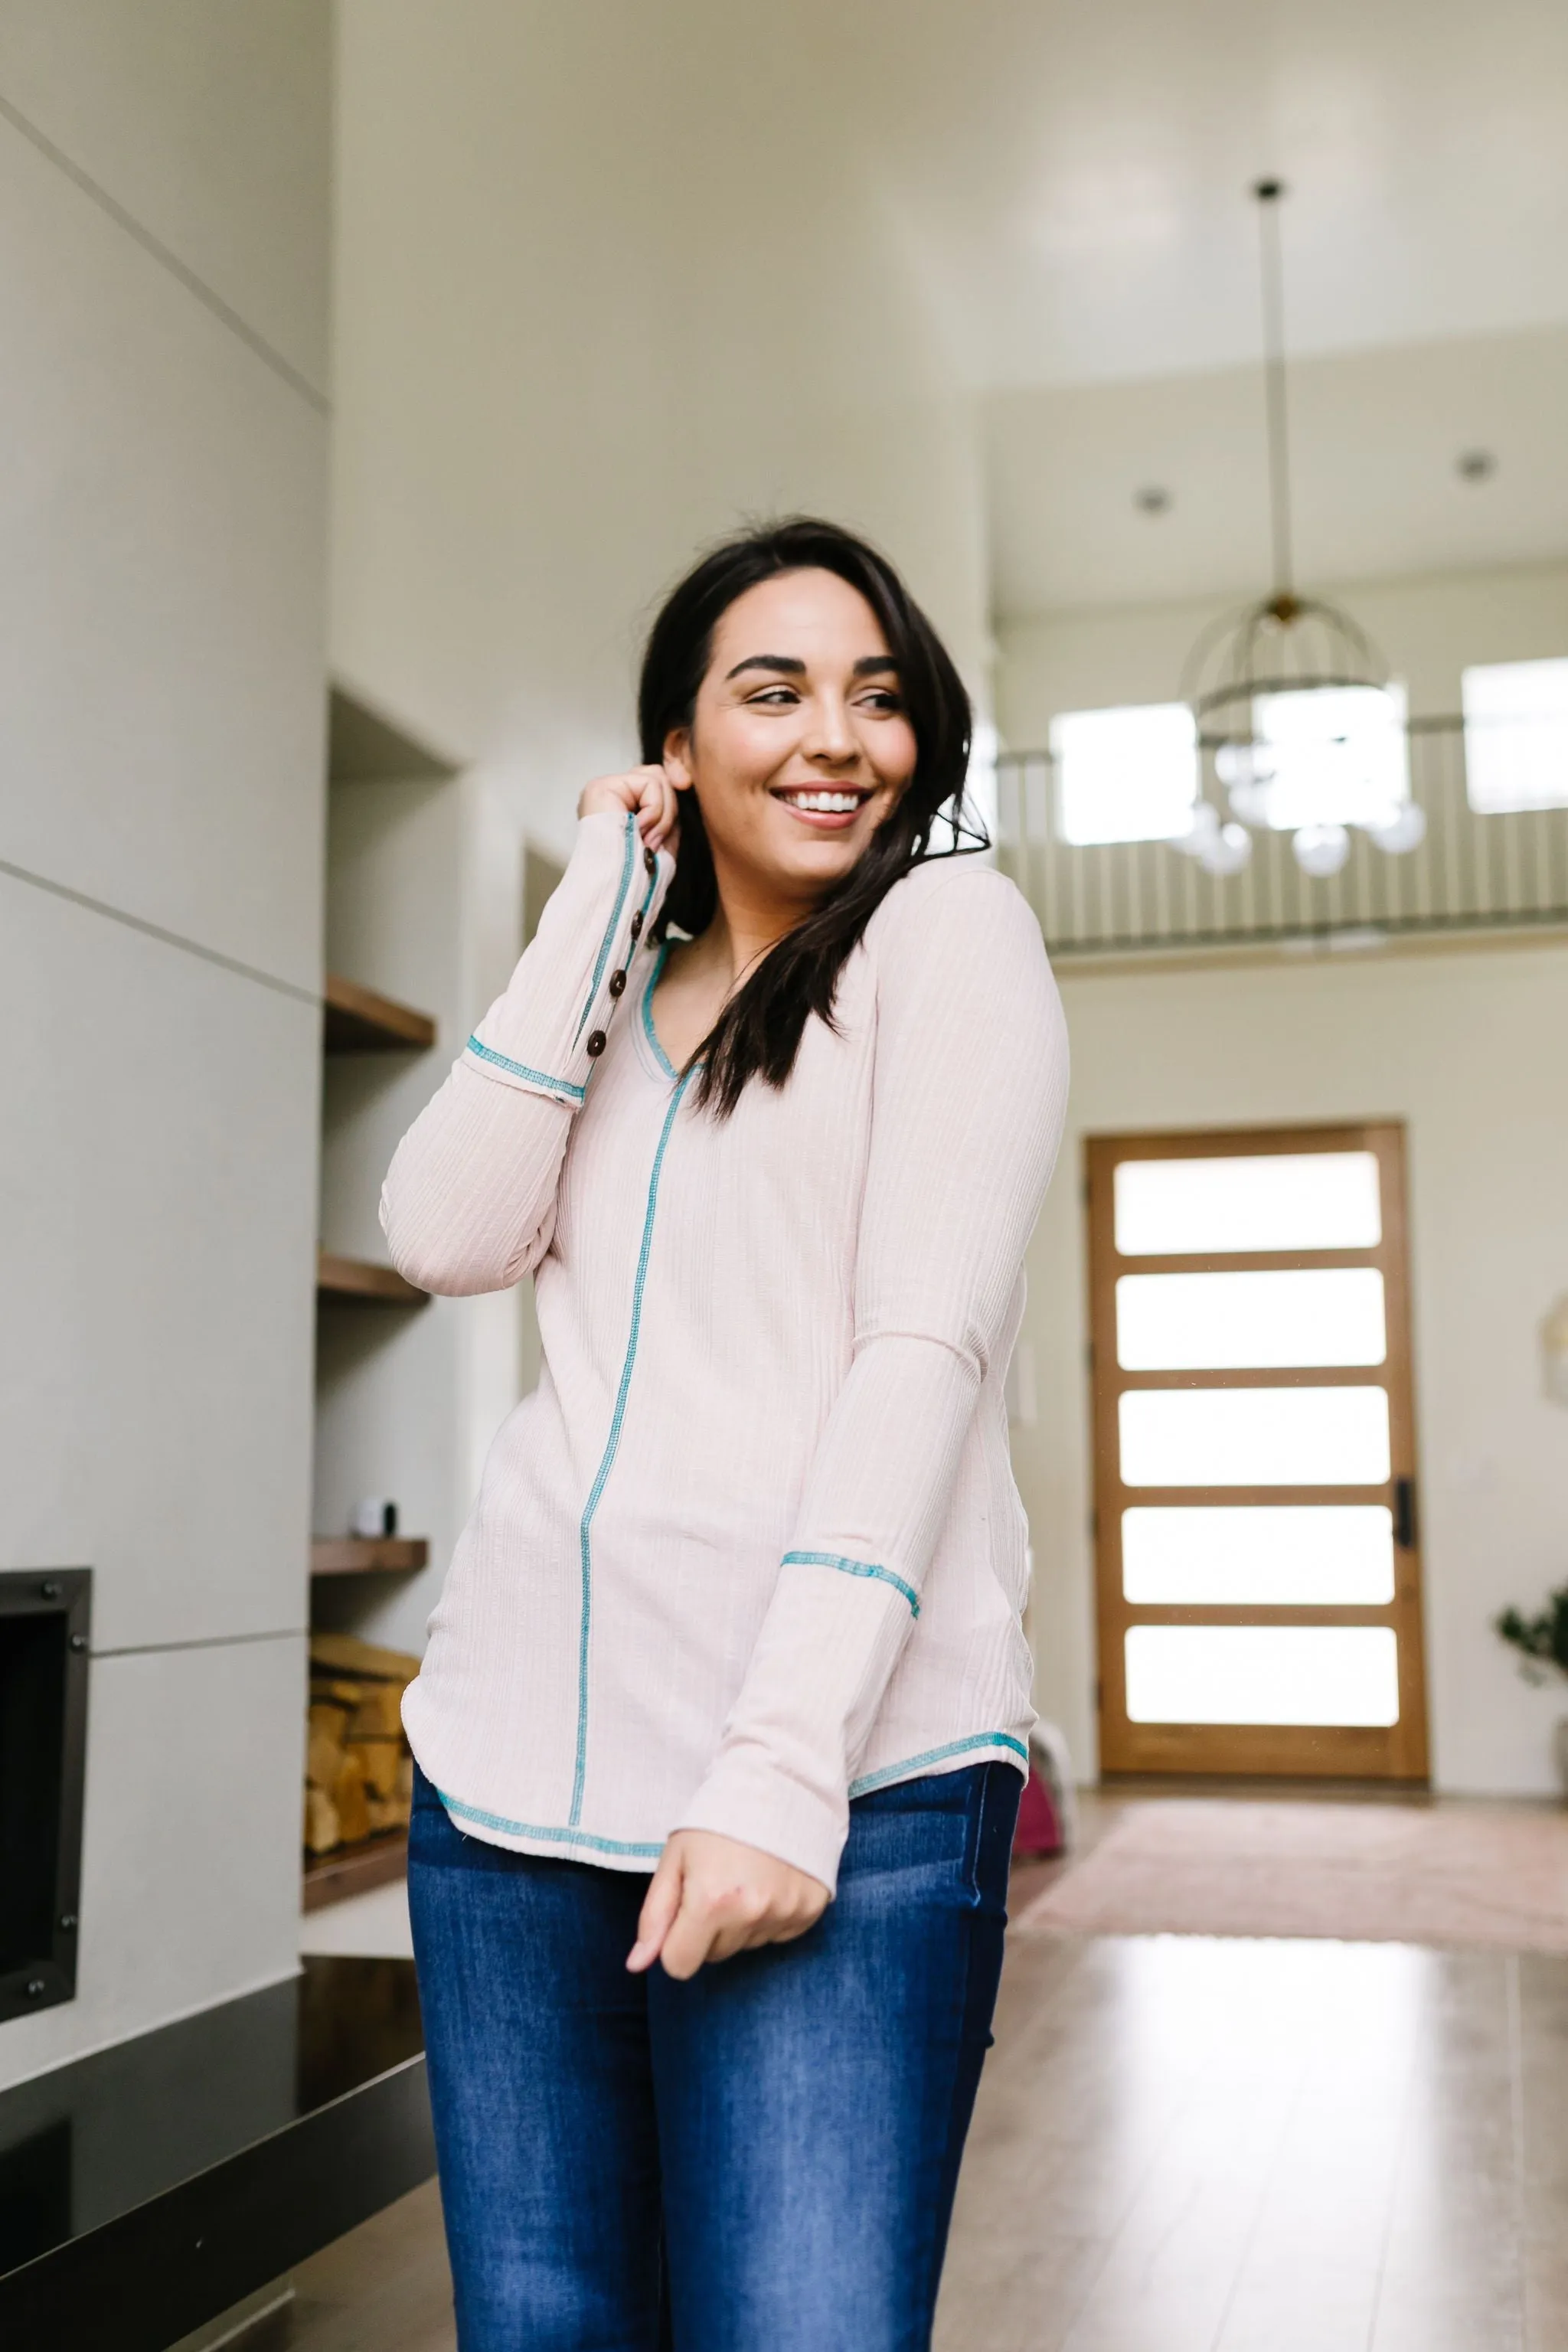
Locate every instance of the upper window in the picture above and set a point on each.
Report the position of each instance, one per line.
(1125, 775)
(1330, 755)
(1516, 736)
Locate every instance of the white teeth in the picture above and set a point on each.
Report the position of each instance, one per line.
(825, 803)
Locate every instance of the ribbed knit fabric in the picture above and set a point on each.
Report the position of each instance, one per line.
(752, 1545)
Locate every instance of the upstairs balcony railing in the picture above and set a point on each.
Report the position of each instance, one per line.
(1472, 872)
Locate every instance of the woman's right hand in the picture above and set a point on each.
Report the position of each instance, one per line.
(649, 791)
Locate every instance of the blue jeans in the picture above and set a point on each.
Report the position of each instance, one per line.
(760, 2159)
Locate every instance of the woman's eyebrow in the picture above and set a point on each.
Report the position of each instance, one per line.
(786, 662)
(867, 668)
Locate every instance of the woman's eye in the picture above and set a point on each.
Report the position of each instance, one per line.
(781, 697)
(881, 700)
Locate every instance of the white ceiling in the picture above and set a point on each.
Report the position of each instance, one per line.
(1374, 436)
(1071, 181)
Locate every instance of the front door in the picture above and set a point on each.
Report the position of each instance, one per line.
(1255, 1524)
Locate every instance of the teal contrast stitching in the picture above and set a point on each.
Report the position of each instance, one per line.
(665, 1063)
(914, 1764)
(607, 943)
(611, 1443)
(853, 1568)
(649, 894)
(557, 1837)
(562, 1087)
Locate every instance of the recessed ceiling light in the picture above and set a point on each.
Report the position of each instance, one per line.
(1152, 499)
(1475, 465)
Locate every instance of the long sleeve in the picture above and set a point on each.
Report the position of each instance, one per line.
(969, 1090)
(469, 1199)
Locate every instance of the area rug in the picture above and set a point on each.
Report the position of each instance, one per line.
(1484, 1876)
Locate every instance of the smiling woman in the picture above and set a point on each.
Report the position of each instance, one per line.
(768, 1109)
(789, 670)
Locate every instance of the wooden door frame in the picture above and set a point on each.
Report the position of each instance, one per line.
(1260, 1751)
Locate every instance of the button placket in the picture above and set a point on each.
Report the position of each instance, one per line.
(595, 1042)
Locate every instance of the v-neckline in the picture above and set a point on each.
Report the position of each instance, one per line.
(665, 1065)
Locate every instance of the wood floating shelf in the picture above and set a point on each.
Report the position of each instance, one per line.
(357, 1277)
(364, 1555)
(355, 1869)
(355, 1019)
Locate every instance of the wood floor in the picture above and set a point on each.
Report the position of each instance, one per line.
(1191, 2145)
(1195, 2146)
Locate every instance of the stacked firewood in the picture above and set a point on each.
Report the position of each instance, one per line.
(359, 1773)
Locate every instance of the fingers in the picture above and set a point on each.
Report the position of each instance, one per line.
(712, 1925)
(712, 1897)
(660, 809)
(649, 792)
(660, 1904)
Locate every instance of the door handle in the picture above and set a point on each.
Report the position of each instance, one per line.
(1404, 1513)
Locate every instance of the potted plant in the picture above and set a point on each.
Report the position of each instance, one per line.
(1543, 1641)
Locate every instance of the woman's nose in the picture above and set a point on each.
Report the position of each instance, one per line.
(830, 735)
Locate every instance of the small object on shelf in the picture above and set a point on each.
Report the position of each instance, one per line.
(362, 1555)
(373, 1516)
(357, 1277)
(355, 1019)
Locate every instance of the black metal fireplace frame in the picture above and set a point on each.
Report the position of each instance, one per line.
(41, 1979)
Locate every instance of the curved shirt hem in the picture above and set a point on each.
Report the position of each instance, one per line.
(574, 1844)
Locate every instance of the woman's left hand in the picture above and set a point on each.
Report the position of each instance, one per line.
(712, 1897)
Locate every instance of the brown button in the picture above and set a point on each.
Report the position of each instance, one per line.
(650, 862)
(636, 924)
(597, 1041)
(618, 982)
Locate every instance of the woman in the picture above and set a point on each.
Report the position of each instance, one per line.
(729, 1667)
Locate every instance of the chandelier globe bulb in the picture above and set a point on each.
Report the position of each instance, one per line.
(1403, 831)
(1321, 850)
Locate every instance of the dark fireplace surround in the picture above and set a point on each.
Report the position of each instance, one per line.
(45, 1622)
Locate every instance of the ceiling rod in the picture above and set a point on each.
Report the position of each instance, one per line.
(1268, 194)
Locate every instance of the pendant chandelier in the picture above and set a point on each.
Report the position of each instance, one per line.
(1291, 702)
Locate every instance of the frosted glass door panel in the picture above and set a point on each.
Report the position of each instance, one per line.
(1316, 1553)
(1322, 1314)
(1254, 1437)
(1262, 1674)
(1269, 1200)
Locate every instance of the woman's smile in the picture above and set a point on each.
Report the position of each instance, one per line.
(827, 808)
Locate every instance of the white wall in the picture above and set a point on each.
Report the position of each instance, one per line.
(605, 287)
(1466, 1047)
(163, 272)
(609, 280)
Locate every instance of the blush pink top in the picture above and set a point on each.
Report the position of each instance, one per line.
(752, 1546)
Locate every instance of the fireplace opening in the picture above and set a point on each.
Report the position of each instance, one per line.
(44, 1624)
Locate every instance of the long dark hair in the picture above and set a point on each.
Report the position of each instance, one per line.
(758, 1034)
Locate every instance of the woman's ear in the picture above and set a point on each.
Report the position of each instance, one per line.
(677, 758)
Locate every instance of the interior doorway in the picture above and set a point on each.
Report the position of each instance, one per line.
(1257, 1561)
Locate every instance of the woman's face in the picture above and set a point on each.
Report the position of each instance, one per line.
(800, 746)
